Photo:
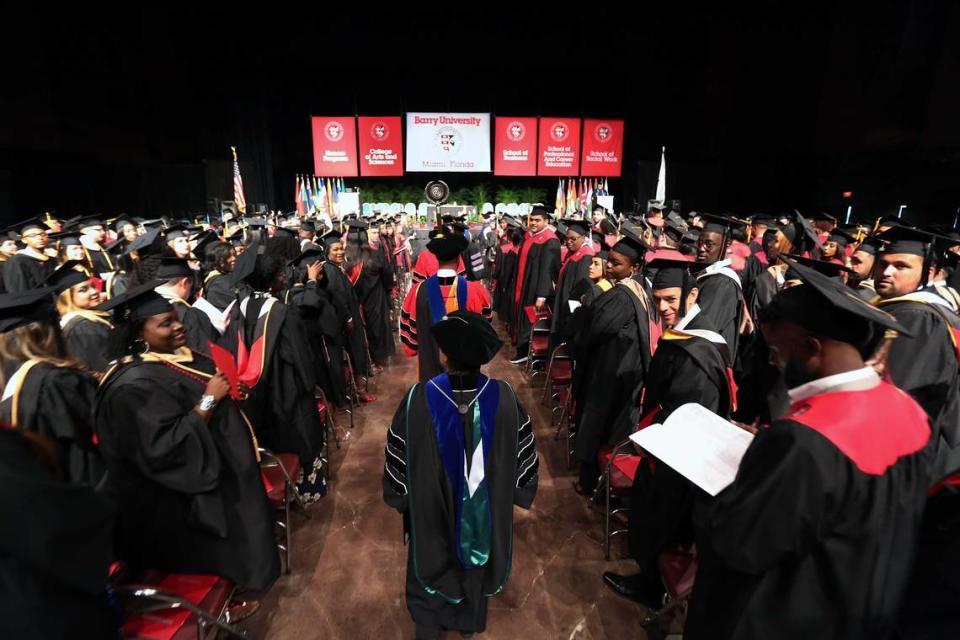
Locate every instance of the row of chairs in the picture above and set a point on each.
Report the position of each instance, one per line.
(618, 464)
(162, 606)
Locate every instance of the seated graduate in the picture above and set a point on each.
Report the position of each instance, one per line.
(691, 364)
(44, 391)
(85, 330)
(182, 455)
(614, 351)
(814, 538)
(460, 453)
(281, 403)
(56, 546)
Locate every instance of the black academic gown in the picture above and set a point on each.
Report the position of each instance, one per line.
(56, 402)
(196, 324)
(281, 405)
(542, 267)
(345, 302)
(416, 484)
(55, 551)
(505, 279)
(219, 291)
(371, 281)
(815, 539)
(685, 368)
(573, 272)
(614, 353)
(23, 272)
(87, 335)
(322, 325)
(721, 301)
(190, 493)
(100, 261)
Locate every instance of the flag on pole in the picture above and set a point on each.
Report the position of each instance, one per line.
(309, 206)
(238, 200)
(662, 180)
(606, 187)
(329, 185)
(298, 198)
(305, 198)
(559, 203)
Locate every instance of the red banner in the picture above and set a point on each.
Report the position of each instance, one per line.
(515, 147)
(602, 148)
(559, 147)
(381, 146)
(335, 147)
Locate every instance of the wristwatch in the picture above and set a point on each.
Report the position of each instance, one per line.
(207, 403)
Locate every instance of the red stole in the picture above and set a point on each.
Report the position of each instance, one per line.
(585, 250)
(531, 240)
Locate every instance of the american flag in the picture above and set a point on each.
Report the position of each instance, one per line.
(238, 199)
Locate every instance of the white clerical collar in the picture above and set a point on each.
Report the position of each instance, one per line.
(692, 313)
(446, 273)
(856, 380)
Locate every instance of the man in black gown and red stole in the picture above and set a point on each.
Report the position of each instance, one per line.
(537, 270)
(460, 454)
(815, 537)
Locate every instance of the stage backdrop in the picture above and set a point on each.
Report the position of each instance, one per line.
(455, 142)
(334, 147)
(515, 148)
(602, 148)
(559, 147)
(381, 146)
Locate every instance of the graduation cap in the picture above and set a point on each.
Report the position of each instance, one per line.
(23, 307)
(827, 268)
(112, 247)
(561, 228)
(137, 303)
(331, 238)
(580, 227)
(308, 225)
(89, 222)
(446, 242)
(155, 223)
(842, 238)
(513, 222)
(146, 244)
(174, 268)
(675, 273)
(466, 338)
(870, 244)
(823, 217)
(121, 222)
(357, 224)
(237, 237)
(765, 219)
(807, 236)
(656, 205)
(310, 254)
(255, 222)
(283, 232)
(245, 265)
(31, 224)
(203, 240)
(631, 245)
(901, 239)
(66, 275)
(66, 239)
(175, 231)
(830, 309)
(540, 210)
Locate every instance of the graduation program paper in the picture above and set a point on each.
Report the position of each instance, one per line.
(699, 445)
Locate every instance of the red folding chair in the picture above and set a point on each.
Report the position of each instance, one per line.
(559, 376)
(678, 569)
(279, 472)
(539, 349)
(616, 481)
(176, 607)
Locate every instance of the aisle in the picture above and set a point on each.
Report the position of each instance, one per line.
(348, 568)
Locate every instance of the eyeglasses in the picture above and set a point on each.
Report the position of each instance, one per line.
(35, 234)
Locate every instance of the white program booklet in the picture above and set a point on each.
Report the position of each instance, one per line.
(699, 445)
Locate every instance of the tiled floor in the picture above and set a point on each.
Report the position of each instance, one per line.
(348, 571)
